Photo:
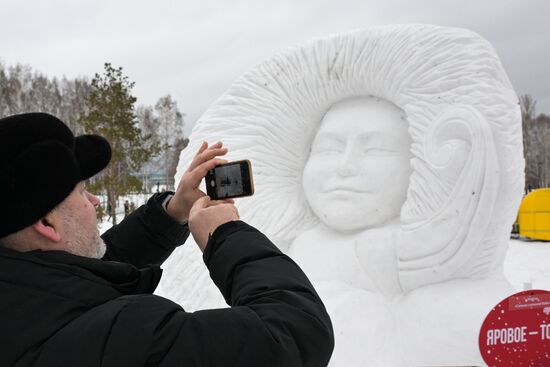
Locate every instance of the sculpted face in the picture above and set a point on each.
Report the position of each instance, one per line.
(358, 169)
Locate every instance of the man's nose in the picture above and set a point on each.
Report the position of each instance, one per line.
(92, 198)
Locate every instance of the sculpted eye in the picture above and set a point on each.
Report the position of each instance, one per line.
(379, 151)
(327, 146)
(326, 150)
(375, 149)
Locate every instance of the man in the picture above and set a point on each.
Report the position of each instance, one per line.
(71, 298)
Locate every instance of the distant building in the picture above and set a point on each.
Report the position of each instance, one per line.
(154, 176)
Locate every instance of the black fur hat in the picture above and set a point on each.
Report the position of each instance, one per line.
(41, 162)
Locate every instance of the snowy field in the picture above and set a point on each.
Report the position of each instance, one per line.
(137, 199)
(527, 264)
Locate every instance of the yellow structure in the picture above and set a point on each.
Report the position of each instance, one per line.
(534, 215)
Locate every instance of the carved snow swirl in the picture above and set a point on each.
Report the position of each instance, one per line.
(460, 150)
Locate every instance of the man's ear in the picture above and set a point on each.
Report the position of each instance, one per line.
(47, 230)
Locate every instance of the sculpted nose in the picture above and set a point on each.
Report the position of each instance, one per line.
(347, 165)
(345, 170)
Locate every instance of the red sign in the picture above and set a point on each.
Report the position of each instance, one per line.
(517, 331)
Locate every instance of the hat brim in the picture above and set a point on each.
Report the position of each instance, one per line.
(93, 153)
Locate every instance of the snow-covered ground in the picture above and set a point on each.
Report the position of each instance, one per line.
(527, 264)
(137, 199)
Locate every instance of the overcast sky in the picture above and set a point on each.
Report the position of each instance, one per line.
(194, 50)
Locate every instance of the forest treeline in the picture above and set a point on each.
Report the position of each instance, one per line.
(25, 90)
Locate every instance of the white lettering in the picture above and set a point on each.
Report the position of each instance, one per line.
(545, 331)
(512, 335)
(509, 335)
(497, 335)
(490, 340)
(523, 331)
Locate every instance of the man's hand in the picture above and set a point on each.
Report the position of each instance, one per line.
(188, 188)
(206, 215)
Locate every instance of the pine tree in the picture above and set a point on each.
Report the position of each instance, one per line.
(111, 114)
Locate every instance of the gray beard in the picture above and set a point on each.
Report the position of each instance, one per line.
(91, 246)
(101, 249)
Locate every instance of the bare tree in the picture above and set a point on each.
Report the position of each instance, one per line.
(25, 90)
(170, 132)
(536, 144)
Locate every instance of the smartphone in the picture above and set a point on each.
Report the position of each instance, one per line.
(230, 180)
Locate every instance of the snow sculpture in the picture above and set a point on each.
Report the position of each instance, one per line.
(388, 163)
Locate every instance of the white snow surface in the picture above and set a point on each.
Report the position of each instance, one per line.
(527, 264)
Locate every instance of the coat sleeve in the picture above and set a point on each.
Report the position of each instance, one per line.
(147, 236)
(276, 317)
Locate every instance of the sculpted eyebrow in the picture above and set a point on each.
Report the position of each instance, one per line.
(376, 139)
(328, 137)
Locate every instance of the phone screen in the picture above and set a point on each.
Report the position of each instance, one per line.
(229, 180)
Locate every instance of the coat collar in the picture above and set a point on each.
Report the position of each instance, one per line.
(51, 266)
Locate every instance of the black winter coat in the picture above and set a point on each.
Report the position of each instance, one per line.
(58, 309)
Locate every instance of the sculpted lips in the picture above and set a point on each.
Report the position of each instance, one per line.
(343, 189)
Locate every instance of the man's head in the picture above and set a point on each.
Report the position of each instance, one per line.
(42, 169)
